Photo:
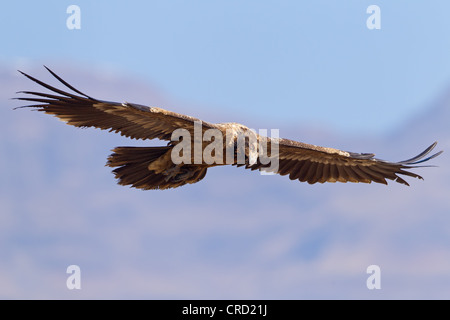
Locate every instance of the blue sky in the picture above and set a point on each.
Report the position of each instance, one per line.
(290, 62)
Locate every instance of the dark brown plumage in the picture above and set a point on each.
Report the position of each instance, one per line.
(153, 168)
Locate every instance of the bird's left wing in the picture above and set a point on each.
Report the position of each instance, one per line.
(312, 164)
(129, 119)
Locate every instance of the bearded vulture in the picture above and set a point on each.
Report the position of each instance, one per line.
(155, 168)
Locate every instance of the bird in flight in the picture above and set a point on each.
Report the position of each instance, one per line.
(160, 168)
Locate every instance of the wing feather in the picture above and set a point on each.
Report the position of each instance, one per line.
(304, 170)
(294, 175)
(312, 164)
(128, 119)
(325, 173)
(328, 164)
(317, 174)
(309, 177)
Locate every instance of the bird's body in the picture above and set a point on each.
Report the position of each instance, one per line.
(202, 145)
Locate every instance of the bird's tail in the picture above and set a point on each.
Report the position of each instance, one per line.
(133, 166)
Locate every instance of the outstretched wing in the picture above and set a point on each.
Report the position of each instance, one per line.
(131, 120)
(305, 162)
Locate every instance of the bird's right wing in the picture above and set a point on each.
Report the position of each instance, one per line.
(129, 119)
(312, 164)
